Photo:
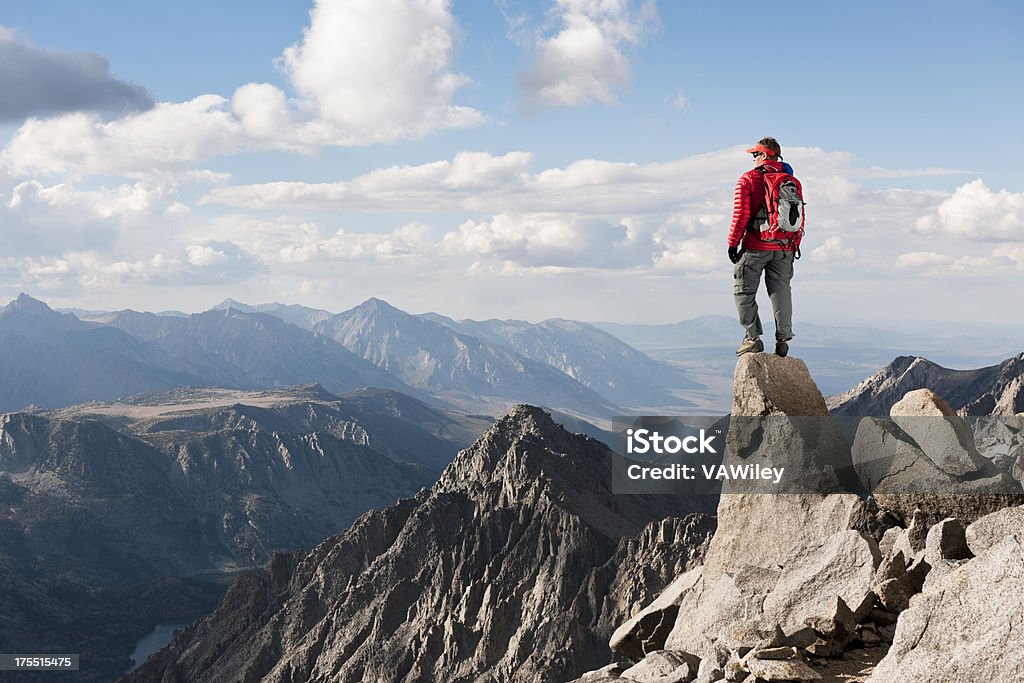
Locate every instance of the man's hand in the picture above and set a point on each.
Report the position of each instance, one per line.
(734, 254)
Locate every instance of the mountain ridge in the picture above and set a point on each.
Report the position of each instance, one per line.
(992, 390)
(519, 551)
(457, 367)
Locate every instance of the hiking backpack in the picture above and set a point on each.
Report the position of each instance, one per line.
(782, 219)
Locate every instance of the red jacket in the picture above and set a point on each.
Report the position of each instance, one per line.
(747, 202)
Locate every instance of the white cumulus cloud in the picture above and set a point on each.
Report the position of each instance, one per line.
(922, 259)
(122, 200)
(169, 136)
(204, 255)
(977, 212)
(567, 241)
(286, 240)
(431, 186)
(833, 249)
(364, 72)
(585, 60)
(692, 256)
(367, 71)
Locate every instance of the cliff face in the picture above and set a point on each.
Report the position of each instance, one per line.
(515, 566)
(995, 390)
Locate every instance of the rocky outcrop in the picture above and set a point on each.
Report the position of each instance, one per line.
(515, 566)
(793, 425)
(966, 625)
(781, 567)
(995, 390)
(1001, 440)
(850, 578)
(814, 574)
(533, 561)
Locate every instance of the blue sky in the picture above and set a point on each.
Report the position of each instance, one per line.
(539, 152)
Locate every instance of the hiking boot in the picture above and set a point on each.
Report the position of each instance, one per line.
(750, 346)
(781, 347)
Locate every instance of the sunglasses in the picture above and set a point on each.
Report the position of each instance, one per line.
(756, 154)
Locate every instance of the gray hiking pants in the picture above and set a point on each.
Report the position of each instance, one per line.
(778, 271)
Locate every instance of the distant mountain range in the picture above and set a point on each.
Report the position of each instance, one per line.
(589, 355)
(488, 366)
(302, 316)
(463, 369)
(485, 358)
(591, 371)
(232, 348)
(49, 359)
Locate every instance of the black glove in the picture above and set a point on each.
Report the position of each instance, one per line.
(734, 254)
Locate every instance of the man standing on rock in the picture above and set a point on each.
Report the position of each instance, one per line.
(774, 257)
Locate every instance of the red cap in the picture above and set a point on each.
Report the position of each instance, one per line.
(762, 149)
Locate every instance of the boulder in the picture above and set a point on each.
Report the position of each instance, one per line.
(712, 667)
(895, 585)
(766, 384)
(781, 670)
(763, 529)
(647, 630)
(706, 611)
(965, 626)
(868, 635)
(894, 594)
(775, 653)
(904, 477)
(816, 573)
(999, 439)
(891, 567)
(889, 538)
(911, 541)
(734, 669)
(991, 529)
(664, 666)
(750, 634)
(607, 674)
(836, 631)
(946, 541)
(942, 434)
